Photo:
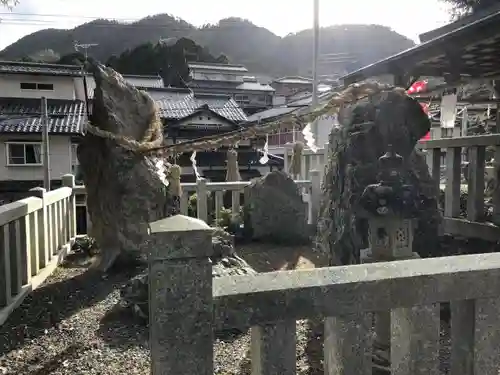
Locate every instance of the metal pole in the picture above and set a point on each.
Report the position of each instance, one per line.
(314, 99)
(45, 142)
(315, 52)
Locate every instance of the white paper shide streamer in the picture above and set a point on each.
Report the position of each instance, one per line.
(265, 157)
(161, 171)
(448, 110)
(195, 168)
(309, 138)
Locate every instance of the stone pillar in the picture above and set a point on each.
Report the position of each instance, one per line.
(43, 228)
(202, 199)
(69, 181)
(180, 297)
(315, 196)
(395, 244)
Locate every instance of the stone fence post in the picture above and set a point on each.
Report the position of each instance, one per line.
(180, 296)
(315, 195)
(69, 181)
(43, 228)
(202, 199)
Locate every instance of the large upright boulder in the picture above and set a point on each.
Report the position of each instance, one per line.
(125, 187)
(366, 129)
(275, 211)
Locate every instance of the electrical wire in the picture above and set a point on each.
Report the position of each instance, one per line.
(7, 19)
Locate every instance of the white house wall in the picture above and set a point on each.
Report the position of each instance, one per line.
(59, 157)
(10, 86)
(325, 125)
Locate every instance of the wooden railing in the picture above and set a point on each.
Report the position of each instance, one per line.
(474, 224)
(35, 234)
(310, 190)
(188, 305)
(310, 160)
(284, 138)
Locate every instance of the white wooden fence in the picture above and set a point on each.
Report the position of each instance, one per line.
(310, 189)
(35, 235)
(310, 160)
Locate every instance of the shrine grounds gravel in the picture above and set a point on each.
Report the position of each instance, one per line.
(74, 324)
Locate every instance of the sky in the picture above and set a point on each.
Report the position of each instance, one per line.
(280, 16)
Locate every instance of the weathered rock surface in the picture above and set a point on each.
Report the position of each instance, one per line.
(225, 263)
(124, 188)
(366, 128)
(274, 210)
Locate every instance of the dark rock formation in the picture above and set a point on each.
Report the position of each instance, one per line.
(366, 129)
(274, 210)
(225, 263)
(125, 189)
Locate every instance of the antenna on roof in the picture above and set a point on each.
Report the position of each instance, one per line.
(84, 46)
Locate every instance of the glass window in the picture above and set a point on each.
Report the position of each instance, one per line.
(25, 153)
(45, 86)
(28, 86)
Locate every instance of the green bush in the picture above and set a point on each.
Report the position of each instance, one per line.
(226, 218)
(193, 208)
(85, 244)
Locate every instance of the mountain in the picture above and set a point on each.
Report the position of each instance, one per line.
(240, 40)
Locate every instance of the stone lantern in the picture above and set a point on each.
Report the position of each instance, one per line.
(391, 208)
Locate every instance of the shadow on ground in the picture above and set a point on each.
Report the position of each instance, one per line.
(267, 257)
(121, 328)
(57, 300)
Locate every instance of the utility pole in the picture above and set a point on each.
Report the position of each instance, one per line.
(314, 98)
(315, 52)
(45, 143)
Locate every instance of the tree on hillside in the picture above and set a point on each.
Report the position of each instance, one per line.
(152, 59)
(169, 61)
(461, 7)
(75, 58)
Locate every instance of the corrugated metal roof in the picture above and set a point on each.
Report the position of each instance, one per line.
(145, 81)
(185, 104)
(218, 67)
(17, 67)
(229, 86)
(167, 93)
(24, 116)
(308, 99)
(271, 113)
(254, 86)
(135, 80)
(294, 79)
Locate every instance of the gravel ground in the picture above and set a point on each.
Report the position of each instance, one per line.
(73, 325)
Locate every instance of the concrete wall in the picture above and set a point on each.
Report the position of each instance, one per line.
(64, 87)
(60, 156)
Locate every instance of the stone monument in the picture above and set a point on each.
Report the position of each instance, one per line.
(274, 210)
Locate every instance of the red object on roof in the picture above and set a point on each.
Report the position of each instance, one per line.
(425, 108)
(417, 87)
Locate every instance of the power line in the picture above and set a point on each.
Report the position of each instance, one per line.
(7, 19)
(23, 14)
